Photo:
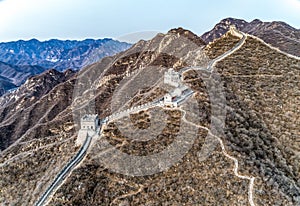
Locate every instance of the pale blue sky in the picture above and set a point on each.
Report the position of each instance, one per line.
(79, 19)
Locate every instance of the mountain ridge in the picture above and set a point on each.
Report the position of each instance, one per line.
(277, 33)
(22, 59)
(59, 54)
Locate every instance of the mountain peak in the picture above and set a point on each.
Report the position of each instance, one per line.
(187, 34)
(33, 40)
(277, 33)
(179, 30)
(256, 21)
(222, 27)
(231, 21)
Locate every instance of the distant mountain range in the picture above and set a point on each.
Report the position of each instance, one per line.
(276, 33)
(5, 85)
(59, 54)
(22, 59)
(12, 76)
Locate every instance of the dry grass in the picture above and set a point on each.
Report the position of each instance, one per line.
(221, 45)
(27, 176)
(263, 122)
(188, 182)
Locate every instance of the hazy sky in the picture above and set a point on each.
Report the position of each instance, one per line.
(78, 19)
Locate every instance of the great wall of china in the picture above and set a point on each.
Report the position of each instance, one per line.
(93, 130)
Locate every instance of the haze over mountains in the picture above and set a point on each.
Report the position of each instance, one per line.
(59, 54)
(22, 59)
(12, 76)
(261, 87)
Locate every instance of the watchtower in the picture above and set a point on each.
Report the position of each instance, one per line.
(89, 122)
(233, 31)
(172, 77)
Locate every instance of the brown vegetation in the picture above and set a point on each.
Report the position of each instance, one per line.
(220, 46)
(262, 122)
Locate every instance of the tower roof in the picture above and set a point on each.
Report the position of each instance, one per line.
(89, 117)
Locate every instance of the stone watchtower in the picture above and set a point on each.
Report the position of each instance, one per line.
(172, 77)
(89, 122)
(88, 126)
(233, 31)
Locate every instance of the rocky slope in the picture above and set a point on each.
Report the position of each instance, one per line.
(262, 123)
(17, 75)
(21, 104)
(39, 123)
(276, 33)
(5, 85)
